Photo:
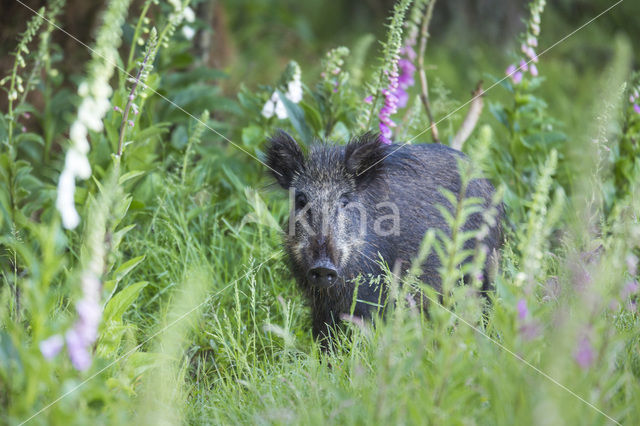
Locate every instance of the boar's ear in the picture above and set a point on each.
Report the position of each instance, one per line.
(284, 158)
(363, 158)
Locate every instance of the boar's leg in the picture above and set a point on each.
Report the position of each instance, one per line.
(324, 322)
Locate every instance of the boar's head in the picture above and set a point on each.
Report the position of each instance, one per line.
(331, 191)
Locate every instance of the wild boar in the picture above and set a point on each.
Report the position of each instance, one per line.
(354, 204)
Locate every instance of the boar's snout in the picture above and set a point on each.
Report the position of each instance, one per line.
(322, 274)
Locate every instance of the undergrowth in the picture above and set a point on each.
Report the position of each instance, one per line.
(168, 297)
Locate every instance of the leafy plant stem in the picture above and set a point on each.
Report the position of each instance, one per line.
(125, 115)
(424, 94)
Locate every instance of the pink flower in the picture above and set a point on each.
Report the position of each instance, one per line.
(51, 346)
(80, 357)
(530, 330)
(584, 354)
(535, 28)
(389, 108)
(368, 99)
(636, 108)
(403, 98)
(517, 77)
(523, 65)
(405, 81)
(531, 54)
(533, 70)
(385, 132)
(514, 73)
(83, 335)
(523, 312)
(632, 264)
(630, 289)
(408, 51)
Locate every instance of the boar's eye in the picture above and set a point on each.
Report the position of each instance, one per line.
(344, 200)
(301, 201)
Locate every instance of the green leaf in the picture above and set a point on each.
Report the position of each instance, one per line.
(498, 111)
(9, 356)
(127, 267)
(313, 116)
(155, 130)
(297, 118)
(143, 361)
(182, 79)
(111, 286)
(234, 180)
(117, 236)
(130, 175)
(119, 303)
(252, 136)
(29, 137)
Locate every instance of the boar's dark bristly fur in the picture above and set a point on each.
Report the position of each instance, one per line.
(355, 204)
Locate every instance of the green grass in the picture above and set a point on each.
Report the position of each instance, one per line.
(206, 324)
(246, 355)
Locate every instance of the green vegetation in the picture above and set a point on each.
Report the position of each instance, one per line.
(142, 277)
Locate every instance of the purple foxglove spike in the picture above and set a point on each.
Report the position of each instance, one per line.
(51, 346)
(517, 77)
(523, 311)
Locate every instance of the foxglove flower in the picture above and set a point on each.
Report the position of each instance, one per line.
(390, 107)
(632, 264)
(294, 86)
(294, 93)
(332, 76)
(529, 329)
(630, 289)
(51, 347)
(407, 69)
(528, 46)
(78, 351)
(405, 81)
(65, 201)
(584, 353)
(83, 335)
(523, 311)
(270, 106)
(274, 106)
(189, 17)
(188, 32)
(94, 92)
(634, 97)
(514, 73)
